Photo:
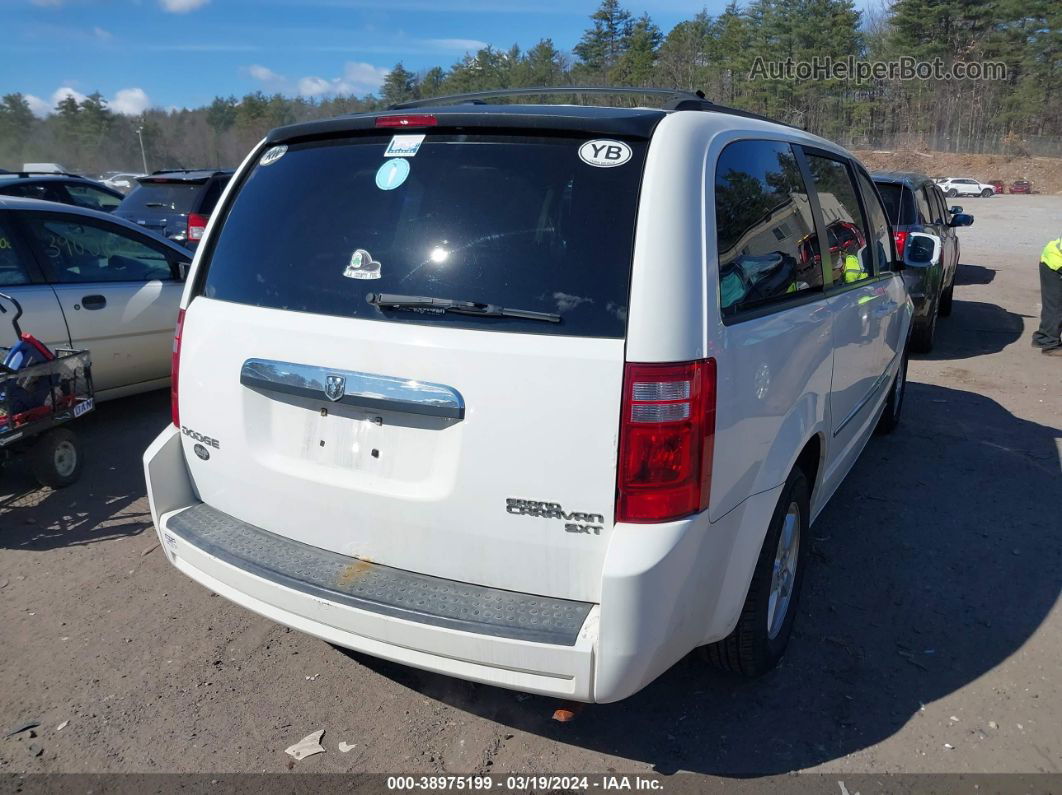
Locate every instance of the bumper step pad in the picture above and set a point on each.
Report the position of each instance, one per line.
(379, 589)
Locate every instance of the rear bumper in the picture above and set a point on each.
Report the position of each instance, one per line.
(665, 590)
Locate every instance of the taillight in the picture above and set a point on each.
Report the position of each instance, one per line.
(667, 431)
(196, 226)
(175, 369)
(414, 120)
(901, 241)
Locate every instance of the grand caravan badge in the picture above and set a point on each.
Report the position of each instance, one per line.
(576, 521)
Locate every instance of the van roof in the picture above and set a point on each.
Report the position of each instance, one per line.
(471, 110)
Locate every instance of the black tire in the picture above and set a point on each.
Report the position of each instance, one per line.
(952, 193)
(923, 333)
(56, 458)
(890, 417)
(751, 650)
(987, 192)
(945, 301)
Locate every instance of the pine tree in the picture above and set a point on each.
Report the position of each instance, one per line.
(399, 86)
(602, 45)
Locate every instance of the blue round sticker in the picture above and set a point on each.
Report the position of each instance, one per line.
(392, 173)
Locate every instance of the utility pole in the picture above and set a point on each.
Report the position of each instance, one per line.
(143, 154)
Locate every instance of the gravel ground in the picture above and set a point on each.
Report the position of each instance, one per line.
(929, 637)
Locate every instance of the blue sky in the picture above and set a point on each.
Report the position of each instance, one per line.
(181, 53)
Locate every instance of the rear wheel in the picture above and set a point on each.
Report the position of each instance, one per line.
(890, 418)
(986, 193)
(56, 458)
(762, 633)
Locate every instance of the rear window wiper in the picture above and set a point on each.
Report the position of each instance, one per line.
(394, 301)
(158, 204)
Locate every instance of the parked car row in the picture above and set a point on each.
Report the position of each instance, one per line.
(176, 203)
(90, 280)
(964, 186)
(915, 204)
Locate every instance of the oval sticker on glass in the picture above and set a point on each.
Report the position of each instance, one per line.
(604, 153)
(272, 155)
(392, 173)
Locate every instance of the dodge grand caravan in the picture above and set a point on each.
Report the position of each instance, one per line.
(542, 396)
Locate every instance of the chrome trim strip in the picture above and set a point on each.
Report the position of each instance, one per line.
(365, 390)
(873, 391)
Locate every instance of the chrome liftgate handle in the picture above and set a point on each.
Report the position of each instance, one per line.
(363, 390)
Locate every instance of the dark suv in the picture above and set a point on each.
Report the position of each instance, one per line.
(914, 203)
(63, 188)
(175, 203)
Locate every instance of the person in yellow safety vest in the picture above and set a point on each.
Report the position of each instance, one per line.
(1048, 338)
(853, 270)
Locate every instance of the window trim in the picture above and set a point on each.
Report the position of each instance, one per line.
(23, 239)
(798, 299)
(850, 165)
(859, 169)
(45, 263)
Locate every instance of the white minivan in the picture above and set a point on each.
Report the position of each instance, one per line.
(542, 396)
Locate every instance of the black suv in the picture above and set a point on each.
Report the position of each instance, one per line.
(175, 203)
(914, 203)
(63, 188)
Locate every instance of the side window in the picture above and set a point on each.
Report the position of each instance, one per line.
(81, 250)
(91, 197)
(14, 268)
(880, 233)
(30, 190)
(925, 212)
(210, 198)
(940, 207)
(768, 250)
(850, 257)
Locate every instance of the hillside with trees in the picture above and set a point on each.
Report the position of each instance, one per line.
(1019, 115)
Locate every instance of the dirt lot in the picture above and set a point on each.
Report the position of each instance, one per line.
(1045, 173)
(929, 637)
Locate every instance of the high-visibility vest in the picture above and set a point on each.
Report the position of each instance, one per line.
(853, 271)
(1052, 256)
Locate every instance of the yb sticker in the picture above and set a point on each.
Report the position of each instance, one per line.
(362, 266)
(604, 154)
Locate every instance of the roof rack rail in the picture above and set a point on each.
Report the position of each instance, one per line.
(680, 99)
(21, 173)
(477, 97)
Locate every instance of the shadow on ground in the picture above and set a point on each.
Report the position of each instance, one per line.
(96, 508)
(935, 562)
(974, 274)
(975, 328)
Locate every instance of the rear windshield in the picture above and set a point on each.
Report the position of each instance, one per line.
(518, 222)
(895, 199)
(169, 196)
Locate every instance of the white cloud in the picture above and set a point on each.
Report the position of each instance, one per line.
(182, 6)
(101, 34)
(357, 78)
(130, 102)
(63, 92)
(313, 86)
(127, 101)
(461, 45)
(264, 74)
(39, 107)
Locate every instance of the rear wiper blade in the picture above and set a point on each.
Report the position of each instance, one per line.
(157, 204)
(395, 301)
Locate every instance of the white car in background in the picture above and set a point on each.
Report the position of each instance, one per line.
(964, 186)
(124, 181)
(88, 280)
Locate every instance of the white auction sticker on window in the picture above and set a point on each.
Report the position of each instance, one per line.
(404, 146)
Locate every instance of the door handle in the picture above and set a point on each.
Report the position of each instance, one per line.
(93, 301)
